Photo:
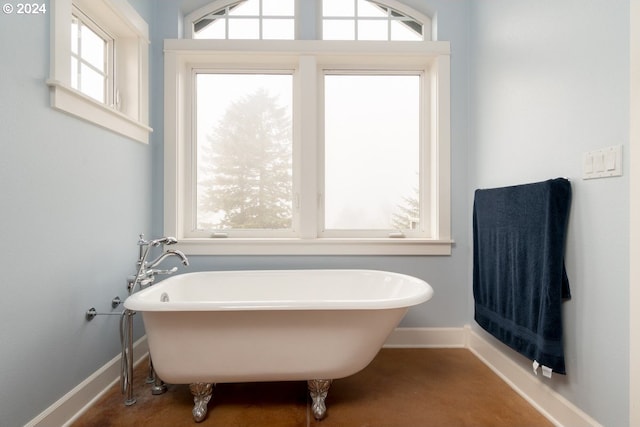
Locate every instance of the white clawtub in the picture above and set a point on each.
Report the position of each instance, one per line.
(244, 326)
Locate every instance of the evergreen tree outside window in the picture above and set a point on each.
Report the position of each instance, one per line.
(244, 174)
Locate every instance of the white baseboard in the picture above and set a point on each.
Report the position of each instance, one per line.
(551, 404)
(532, 388)
(70, 406)
(427, 338)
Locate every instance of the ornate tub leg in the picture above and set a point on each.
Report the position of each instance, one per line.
(201, 396)
(159, 387)
(318, 390)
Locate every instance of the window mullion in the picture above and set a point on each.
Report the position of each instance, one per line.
(307, 108)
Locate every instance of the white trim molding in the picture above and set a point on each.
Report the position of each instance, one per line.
(72, 405)
(427, 338)
(69, 100)
(547, 401)
(634, 214)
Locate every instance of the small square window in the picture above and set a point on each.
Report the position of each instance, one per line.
(90, 59)
(84, 77)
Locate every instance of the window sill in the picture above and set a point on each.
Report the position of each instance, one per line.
(69, 100)
(324, 246)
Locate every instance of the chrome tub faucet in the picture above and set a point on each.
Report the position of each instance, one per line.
(146, 273)
(146, 270)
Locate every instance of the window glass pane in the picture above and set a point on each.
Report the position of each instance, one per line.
(74, 73)
(91, 83)
(336, 29)
(74, 35)
(215, 29)
(278, 7)
(246, 8)
(283, 29)
(372, 30)
(404, 30)
(244, 151)
(372, 128)
(244, 28)
(338, 8)
(369, 9)
(92, 47)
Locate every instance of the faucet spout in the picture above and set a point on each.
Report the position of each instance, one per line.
(166, 254)
(182, 256)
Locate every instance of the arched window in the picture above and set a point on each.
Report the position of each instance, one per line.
(244, 19)
(372, 20)
(340, 20)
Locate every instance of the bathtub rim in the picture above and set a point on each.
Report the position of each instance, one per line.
(141, 302)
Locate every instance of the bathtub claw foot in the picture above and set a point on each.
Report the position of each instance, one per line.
(201, 396)
(158, 388)
(318, 390)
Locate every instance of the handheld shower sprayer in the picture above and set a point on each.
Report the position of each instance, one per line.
(163, 241)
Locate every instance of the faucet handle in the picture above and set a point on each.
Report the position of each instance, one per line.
(153, 271)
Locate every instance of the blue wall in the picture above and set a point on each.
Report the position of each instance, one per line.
(549, 80)
(74, 199)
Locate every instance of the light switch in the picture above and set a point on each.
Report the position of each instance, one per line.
(602, 163)
(610, 160)
(598, 162)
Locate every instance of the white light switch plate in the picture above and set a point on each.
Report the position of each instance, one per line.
(602, 163)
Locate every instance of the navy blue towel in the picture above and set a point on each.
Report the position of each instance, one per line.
(519, 278)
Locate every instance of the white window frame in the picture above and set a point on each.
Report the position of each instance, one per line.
(308, 58)
(126, 107)
(108, 73)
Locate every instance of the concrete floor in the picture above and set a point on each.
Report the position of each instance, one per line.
(400, 388)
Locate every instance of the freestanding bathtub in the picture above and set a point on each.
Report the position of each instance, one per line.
(248, 326)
